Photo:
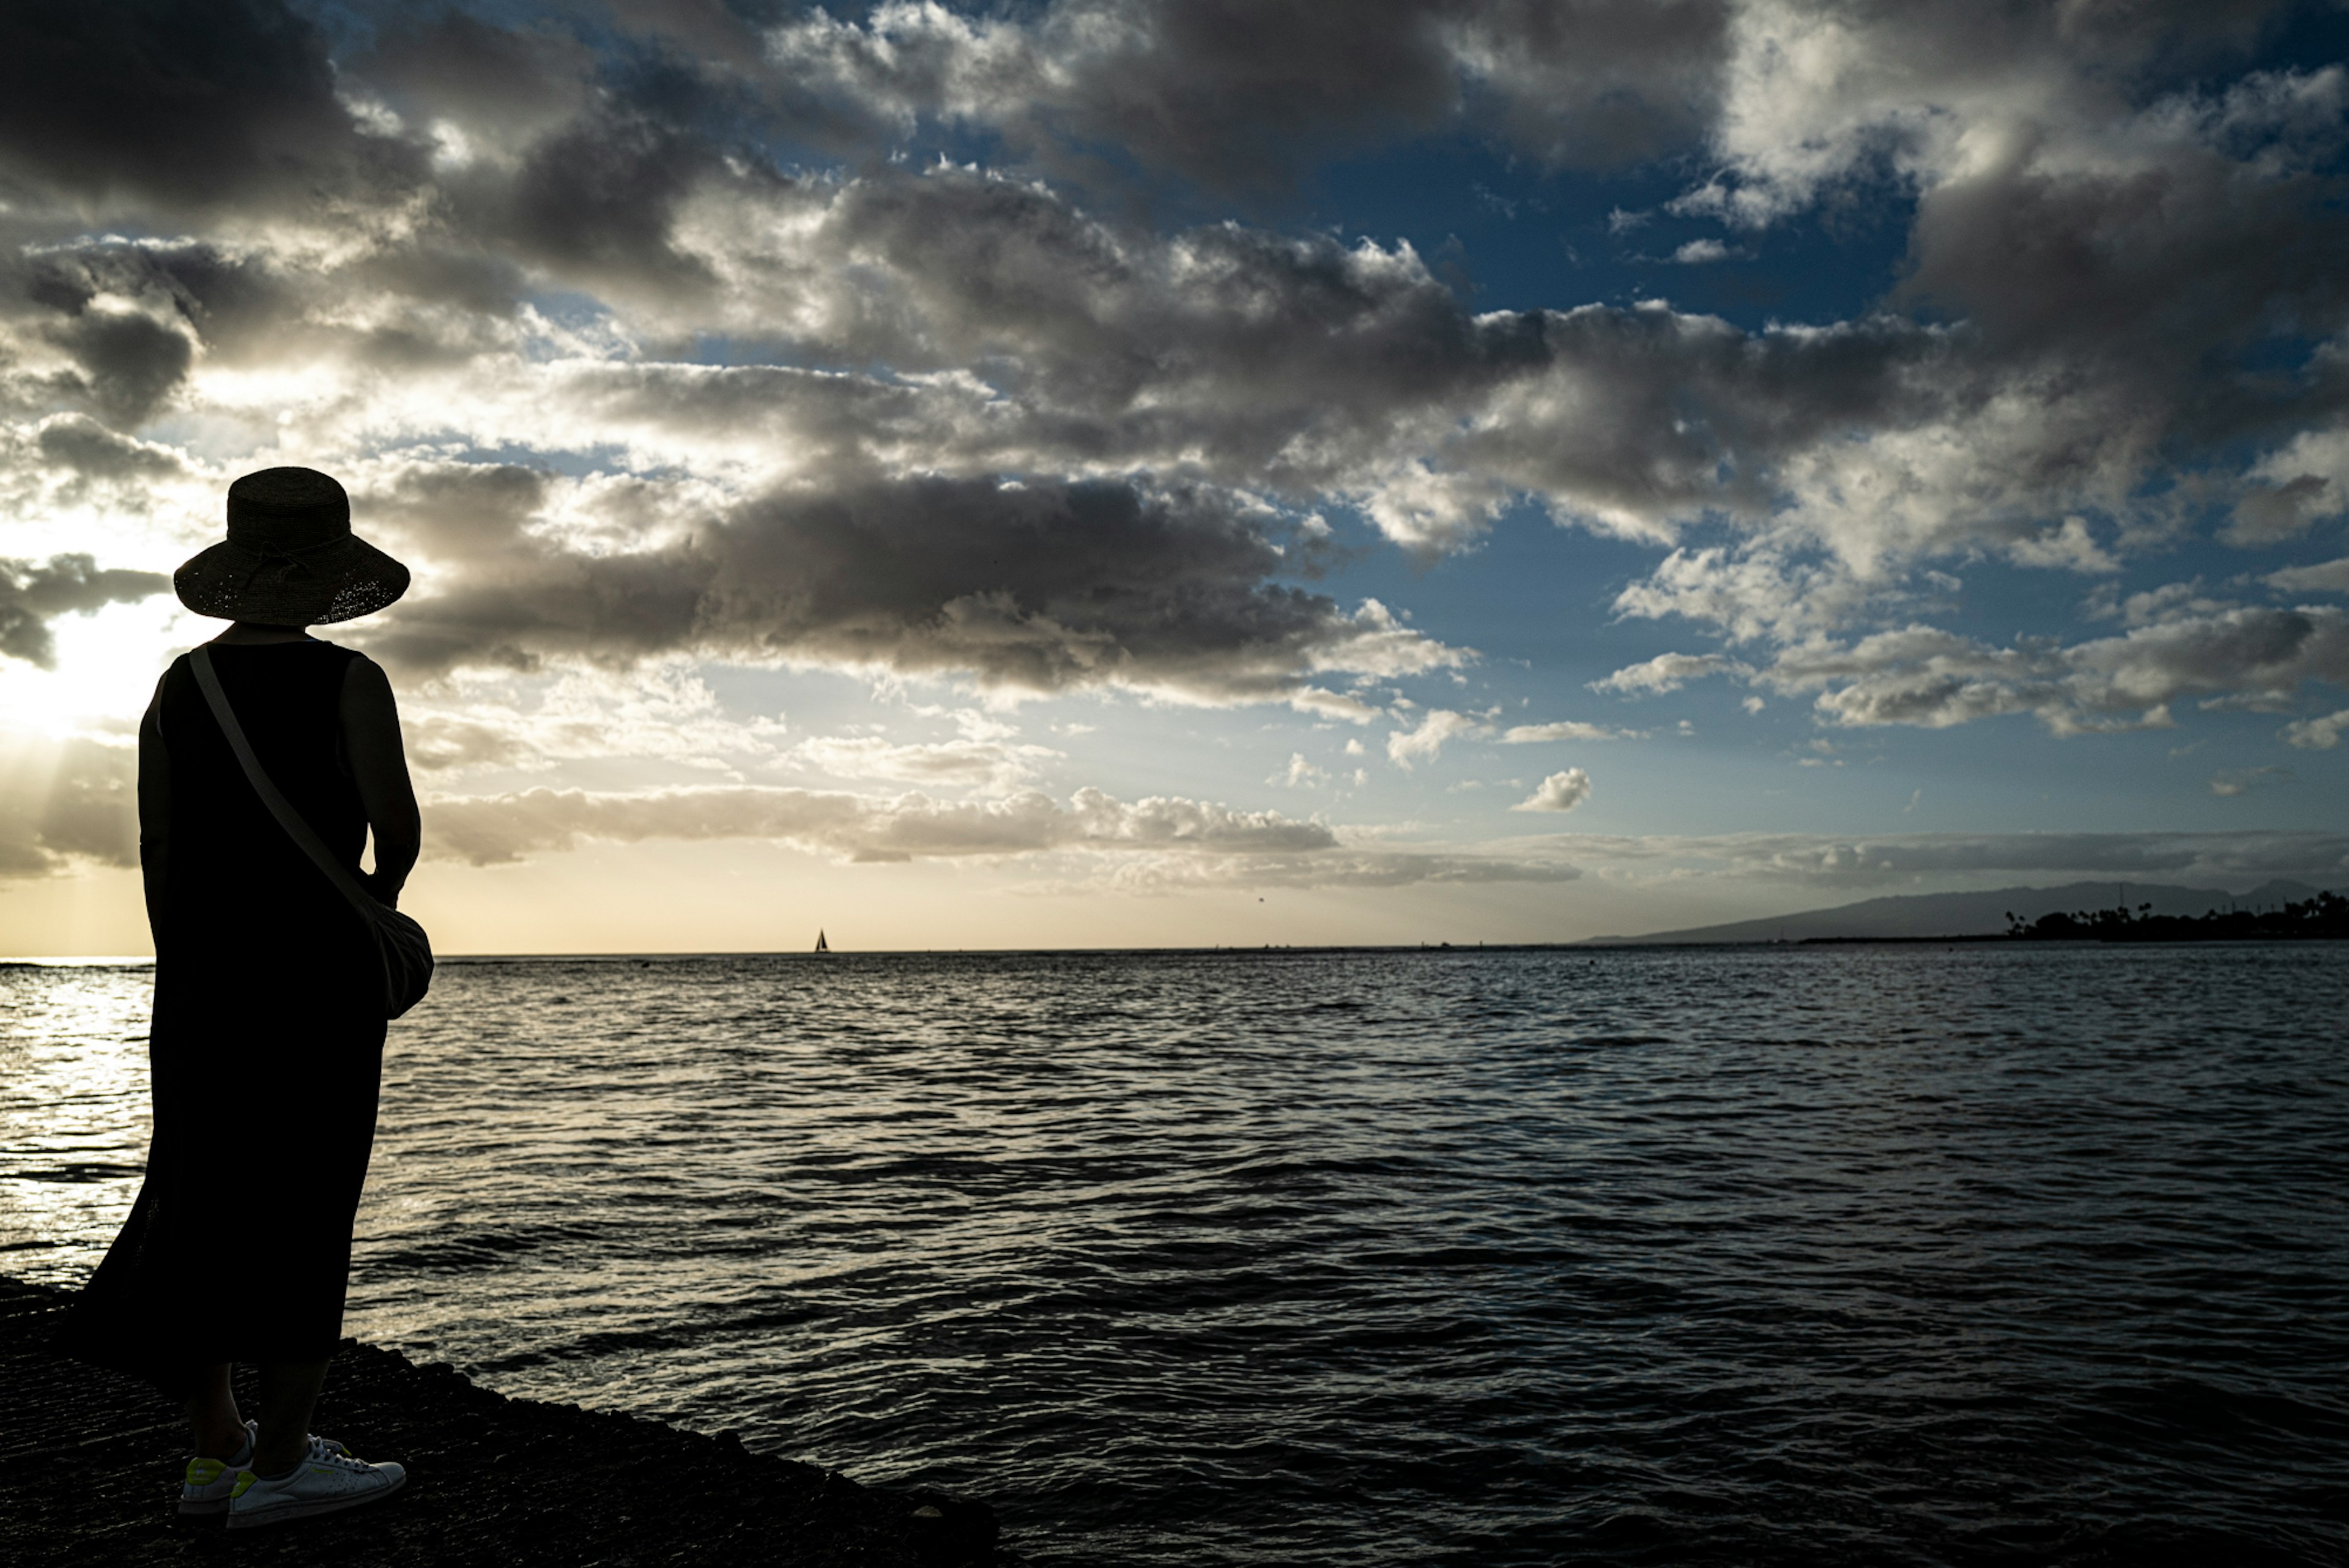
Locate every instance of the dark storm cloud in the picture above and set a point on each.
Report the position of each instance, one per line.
(128, 363)
(33, 594)
(130, 314)
(78, 446)
(1241, 94)
(2157, 272)
(598, 200)
(714, 30)
(512, 84)
(229, 297)
(1593, 85)
(130, 317)
(1041, 587)
(179, 106)
(569, 162)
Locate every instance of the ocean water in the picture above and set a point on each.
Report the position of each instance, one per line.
(1857, 1255)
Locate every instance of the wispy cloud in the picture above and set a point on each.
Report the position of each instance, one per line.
(1152, 844)
(1919, 859)
(1566, 730)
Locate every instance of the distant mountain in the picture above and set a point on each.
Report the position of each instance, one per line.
(1971, 914)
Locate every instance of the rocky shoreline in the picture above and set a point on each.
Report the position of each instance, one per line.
(491, 1480)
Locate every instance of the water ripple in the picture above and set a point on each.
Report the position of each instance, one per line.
(1676, 1257)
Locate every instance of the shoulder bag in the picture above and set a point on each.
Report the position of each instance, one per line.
(406, 950)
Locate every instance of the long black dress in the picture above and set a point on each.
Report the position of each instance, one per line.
(266, 1047)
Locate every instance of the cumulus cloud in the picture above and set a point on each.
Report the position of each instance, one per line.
(2317, 734)
(1934, 679)
(1559, 792)
(2294, 487)
(2105, 228)
(1425, 741)
(1039, 587)
(1300, 773)
(1324, 705)
(2069, 547)
(1665, 672)
(2266, 513)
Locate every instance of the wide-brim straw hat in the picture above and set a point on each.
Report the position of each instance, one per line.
(290, 557)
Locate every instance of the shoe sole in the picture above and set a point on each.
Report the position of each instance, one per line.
(190, 1506)
(286, 1510)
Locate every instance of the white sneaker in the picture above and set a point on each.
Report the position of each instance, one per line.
(326, 1479)
(205, 1487)
(208, 1482)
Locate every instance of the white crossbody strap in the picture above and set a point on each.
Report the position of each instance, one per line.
(299, 831)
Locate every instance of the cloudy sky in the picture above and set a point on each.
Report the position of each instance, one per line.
(1124, 472)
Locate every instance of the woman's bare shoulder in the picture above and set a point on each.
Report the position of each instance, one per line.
(365, 683)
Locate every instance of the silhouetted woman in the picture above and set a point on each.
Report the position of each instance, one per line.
(267, 1039)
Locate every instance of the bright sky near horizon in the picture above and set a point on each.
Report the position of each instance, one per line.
(1109, 473)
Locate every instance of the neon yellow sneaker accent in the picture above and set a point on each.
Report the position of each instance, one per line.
(204, 1485)
(242, 1483)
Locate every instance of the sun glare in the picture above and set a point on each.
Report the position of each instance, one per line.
(103, 672)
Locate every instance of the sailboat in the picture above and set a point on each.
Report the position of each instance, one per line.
(820, 945)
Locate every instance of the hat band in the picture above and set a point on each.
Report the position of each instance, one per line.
(288, 552)
(286, 561)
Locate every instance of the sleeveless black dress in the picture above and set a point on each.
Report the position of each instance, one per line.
(266, 1047)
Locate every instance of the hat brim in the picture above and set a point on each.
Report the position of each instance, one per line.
(341, 581)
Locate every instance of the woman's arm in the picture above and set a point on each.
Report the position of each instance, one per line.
(379, 767)
(154, 810)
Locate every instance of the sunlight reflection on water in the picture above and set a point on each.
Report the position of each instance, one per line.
(73, 1111)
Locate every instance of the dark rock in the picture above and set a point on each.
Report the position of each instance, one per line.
(949, 1532)
(492, 1481)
